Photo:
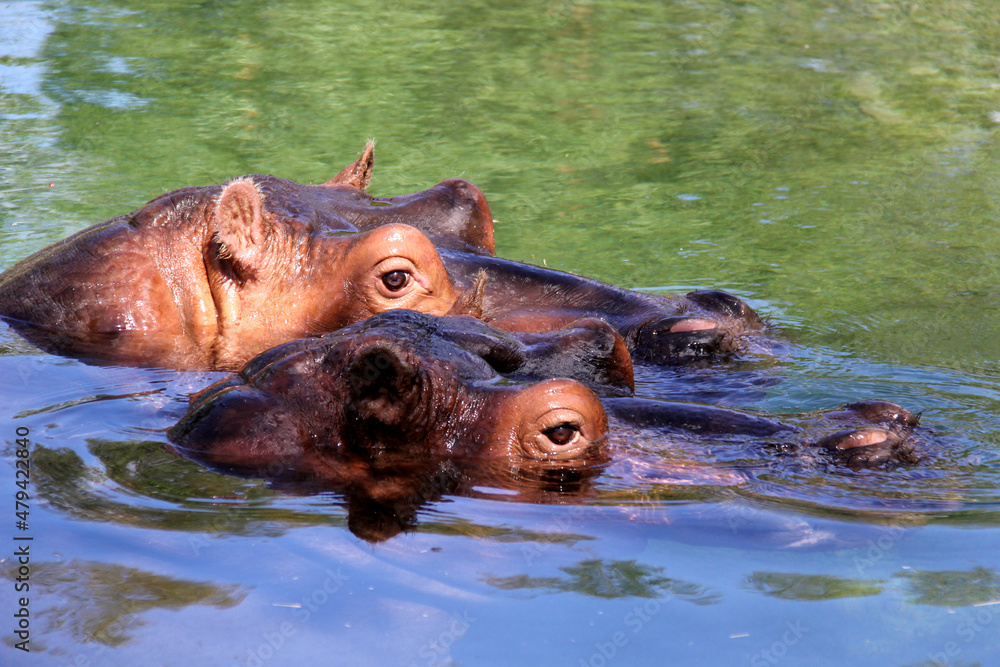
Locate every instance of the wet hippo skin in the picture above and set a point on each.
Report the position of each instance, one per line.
(704, 325)
(399, 409)
(208, 277)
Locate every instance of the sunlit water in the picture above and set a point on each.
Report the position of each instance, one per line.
(836, 165)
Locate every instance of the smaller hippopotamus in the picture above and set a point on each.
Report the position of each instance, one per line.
(394, 411)
(211, 276)
(405, 385)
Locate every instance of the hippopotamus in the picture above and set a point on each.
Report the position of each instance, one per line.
(210, 276)
(400, 408)
(405, 382)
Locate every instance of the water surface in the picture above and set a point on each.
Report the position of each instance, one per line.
(836, 164)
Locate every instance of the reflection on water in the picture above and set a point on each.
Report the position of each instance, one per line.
(105, 603)
(134, 479)
(610, 580)
(27, 27)
(960, 588)
(836, 165)
(810, 587)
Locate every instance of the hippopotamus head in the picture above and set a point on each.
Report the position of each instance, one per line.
(396, 410)
(400, 408)
(210, 276)
(402, 389)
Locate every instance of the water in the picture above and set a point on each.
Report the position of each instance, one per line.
(835, 164)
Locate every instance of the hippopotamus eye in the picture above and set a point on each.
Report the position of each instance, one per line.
(562, 434)
(394, 281)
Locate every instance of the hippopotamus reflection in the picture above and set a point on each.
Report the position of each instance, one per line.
(397, 410)
(210, 276)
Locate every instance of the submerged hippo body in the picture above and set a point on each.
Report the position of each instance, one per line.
(397, 410)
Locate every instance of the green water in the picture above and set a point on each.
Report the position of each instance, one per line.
(836, 164)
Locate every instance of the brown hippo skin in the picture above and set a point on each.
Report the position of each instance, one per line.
(702, 325)
(210, 276)
(399, 409)
(407, 383)
(394, 411)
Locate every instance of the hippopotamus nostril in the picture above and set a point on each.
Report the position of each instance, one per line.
(372, 366)
(726, 305)
(681, 340)
(383, 385)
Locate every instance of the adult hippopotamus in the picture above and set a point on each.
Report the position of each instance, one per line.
(210, 276)
(394, 411)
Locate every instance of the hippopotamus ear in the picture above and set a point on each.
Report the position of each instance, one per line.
(359, 174)
(240, 230)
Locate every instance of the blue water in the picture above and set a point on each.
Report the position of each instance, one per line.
(834, 165)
